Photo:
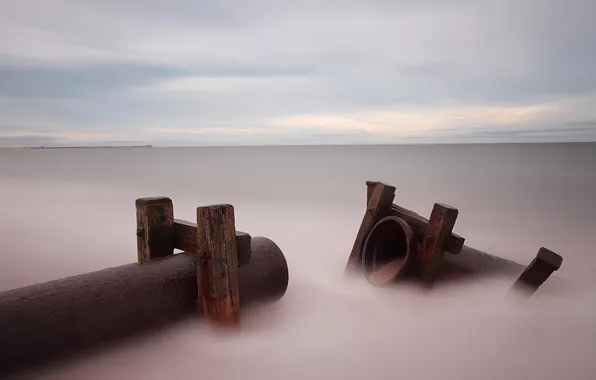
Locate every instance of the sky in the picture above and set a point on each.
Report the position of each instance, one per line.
(243, 72)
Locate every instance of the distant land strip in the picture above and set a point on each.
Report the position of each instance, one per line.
(89, 147)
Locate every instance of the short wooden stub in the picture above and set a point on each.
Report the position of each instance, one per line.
(378, 207)
(217, 270)
(544, 264)
(432, 252)
(155, 231)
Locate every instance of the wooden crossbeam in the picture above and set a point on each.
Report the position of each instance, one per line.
(185, 239)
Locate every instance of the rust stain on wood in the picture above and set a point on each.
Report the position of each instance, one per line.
(432, 253)
(217, 269)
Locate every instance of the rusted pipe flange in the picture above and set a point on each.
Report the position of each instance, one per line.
(389, 251)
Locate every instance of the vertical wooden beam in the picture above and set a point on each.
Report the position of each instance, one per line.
(155, 228)
(378, 206)
(544, 264)
(370, 187)
(217, 270)
(432, 252)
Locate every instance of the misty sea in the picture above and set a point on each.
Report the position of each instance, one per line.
(71, 211)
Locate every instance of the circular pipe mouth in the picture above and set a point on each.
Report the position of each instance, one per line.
(388, 251)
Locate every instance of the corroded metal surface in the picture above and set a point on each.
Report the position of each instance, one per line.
(52, 319)
(389, 251)
(471, 262)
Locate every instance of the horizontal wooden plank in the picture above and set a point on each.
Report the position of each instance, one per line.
(454, 242)
(185, 239)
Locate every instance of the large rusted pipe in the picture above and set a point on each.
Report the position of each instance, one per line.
(390, 253)
(471, 262)
(52, 319)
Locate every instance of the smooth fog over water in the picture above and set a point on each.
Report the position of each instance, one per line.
(70, 211)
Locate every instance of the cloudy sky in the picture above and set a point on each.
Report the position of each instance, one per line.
(195, 72)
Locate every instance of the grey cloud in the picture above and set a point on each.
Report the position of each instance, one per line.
(355, 54)
(77, 82)
(98, 79)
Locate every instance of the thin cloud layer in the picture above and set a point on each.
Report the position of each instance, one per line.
(216, 72)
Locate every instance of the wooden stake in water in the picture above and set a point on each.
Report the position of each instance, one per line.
(155, 228)
(544, 264)
(432, 251)
(217, 269)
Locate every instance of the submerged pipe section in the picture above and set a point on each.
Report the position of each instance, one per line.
(49, 320)
(472, 262)
(390, 254)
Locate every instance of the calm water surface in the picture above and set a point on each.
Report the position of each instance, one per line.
(70, 211)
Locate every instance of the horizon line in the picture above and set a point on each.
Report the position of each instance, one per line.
(137, 146)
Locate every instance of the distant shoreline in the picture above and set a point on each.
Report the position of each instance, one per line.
(290, 145)
(83, 147)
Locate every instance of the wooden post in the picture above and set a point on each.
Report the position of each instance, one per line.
(378, 206)
(217, 270)
(155, 231)
(370, 187)
(432, 253)
(544, 264)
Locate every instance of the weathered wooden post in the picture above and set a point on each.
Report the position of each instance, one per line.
(155, 228)
(378, 206)
(217, 270)
(544, 264)
(439, 229)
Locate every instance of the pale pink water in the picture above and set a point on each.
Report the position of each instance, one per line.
(69, 212)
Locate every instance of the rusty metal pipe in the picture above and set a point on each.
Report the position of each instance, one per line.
(50, 320)
(471, 262)
(390, 251)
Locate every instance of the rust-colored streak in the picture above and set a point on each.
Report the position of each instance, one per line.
(440, 226)
(217, 271)
(387, 272)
